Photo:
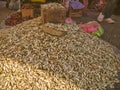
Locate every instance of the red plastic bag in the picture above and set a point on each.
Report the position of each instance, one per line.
(92, 27)
(89, 27)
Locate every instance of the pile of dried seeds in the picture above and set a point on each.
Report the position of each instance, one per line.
(33, 59)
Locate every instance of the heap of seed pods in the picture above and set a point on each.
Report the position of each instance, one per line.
(33, 59)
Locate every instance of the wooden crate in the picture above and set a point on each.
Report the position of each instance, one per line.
(53, 15)
(75, 12)
(27, 12)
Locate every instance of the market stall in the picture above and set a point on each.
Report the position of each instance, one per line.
(53, 52)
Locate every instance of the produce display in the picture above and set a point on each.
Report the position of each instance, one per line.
(56, 14)
(32, 59)
(16, 18)
(13, 19)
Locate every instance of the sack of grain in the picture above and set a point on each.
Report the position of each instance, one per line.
(53, 12)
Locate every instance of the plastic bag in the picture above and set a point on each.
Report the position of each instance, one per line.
(93, 28)
(99, 32)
